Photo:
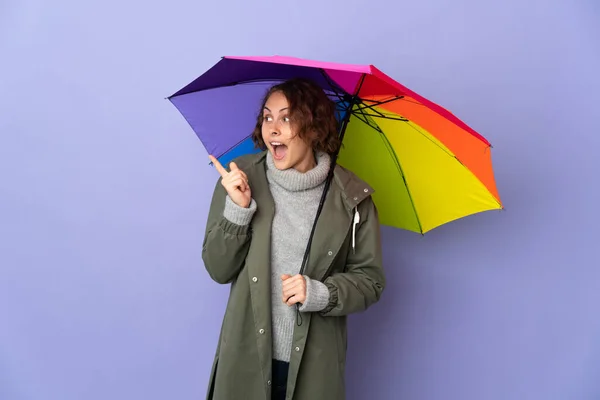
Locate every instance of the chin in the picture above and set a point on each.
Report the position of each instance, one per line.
(281, 164)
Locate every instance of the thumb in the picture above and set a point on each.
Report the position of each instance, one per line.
(285, 276)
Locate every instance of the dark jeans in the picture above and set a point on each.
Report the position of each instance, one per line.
(279, 377)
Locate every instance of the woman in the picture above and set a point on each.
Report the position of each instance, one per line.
(259, 223)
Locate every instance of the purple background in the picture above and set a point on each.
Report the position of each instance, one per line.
(104, 192)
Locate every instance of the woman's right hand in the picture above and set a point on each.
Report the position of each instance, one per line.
(235, 183)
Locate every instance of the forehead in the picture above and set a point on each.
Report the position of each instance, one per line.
(276, 101)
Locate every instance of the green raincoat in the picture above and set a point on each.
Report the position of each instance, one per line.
(240, 256)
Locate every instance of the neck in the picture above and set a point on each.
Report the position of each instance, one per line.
(307, 164)
(294, 180)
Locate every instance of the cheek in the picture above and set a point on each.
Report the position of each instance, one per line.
(264, 134)
(298, 146)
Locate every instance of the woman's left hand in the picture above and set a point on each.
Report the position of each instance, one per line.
(294, 289)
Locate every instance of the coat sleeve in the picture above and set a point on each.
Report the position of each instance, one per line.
(363, 280)
(227, 239)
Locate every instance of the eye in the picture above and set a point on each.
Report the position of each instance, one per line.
(286, 119)
(267, 118)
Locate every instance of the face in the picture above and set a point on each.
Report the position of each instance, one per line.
(287, 148)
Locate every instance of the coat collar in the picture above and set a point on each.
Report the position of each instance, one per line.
(353, 189)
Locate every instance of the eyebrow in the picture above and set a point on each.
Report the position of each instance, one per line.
(283, 109)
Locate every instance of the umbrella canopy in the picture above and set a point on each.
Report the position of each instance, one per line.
(427, 167)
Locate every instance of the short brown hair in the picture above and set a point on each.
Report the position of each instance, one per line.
(312, 114)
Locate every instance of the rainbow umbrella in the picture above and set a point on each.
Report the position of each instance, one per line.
(427, 167)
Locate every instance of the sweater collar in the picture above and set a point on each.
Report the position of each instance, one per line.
(295, 181)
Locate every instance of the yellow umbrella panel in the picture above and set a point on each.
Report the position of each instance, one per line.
(419, 178)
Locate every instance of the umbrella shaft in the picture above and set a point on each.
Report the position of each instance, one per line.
(353, 100)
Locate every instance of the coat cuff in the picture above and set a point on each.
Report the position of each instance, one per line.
(333, 298)
(317, 296)
(238, 215)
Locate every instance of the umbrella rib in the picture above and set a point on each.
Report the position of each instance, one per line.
(413, 127)
(335, 88)
(392, 152)
(428, 137)
(235, 83)
(412, 102)
(372, 108)
(387, 117)
(374, 103)
(233, 147)
(364, 119)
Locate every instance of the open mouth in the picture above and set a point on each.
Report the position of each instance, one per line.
(279, 150)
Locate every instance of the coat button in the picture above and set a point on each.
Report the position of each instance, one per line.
(356, 198)
(269, 383)
(261, 331)
(330, 252)
(255, 279)
(297, 348)
(366, 190)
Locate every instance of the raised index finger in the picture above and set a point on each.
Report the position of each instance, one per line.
(218, 166)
